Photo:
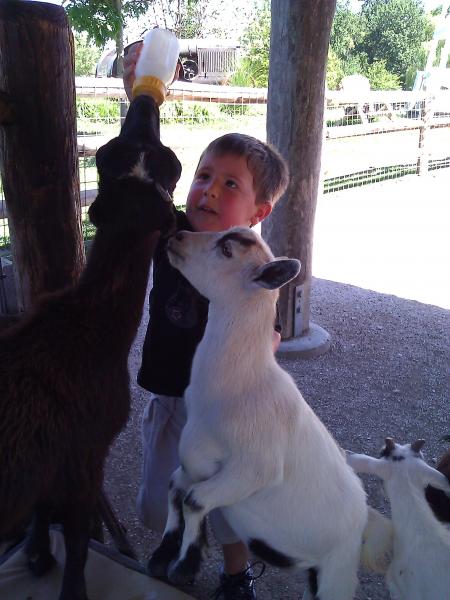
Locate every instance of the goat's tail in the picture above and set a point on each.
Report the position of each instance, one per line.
(377, 544)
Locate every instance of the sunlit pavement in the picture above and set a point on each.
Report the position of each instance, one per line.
(391, 237)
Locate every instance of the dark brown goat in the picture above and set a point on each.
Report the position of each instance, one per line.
(437, 499)
(64, 383)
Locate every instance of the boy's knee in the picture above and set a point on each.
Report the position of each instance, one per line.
(222, 531)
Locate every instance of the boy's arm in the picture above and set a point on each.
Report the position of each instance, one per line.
(276, 338)
(129, 67)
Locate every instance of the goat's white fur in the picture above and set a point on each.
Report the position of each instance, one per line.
(420, 567)
(251, 444)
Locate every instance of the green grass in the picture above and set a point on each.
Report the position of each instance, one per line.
(88, 230)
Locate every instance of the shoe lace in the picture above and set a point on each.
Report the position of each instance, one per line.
(244, 576)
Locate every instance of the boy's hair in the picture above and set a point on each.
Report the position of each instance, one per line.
(265, 163)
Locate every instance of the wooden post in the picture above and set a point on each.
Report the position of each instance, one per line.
(423, 159)
(295, 110)
(38, 146)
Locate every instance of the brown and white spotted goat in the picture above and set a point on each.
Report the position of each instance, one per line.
(420, 566)
(63, 371)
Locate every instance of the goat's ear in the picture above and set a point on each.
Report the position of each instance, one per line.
(435, 478)
(277, 273)
(361, 463)
(417, 446)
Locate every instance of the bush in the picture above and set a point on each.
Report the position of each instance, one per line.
(250, 73)
(335, 70)
(97, 109)
(192, 112)
(234, 110)
(380, 78)
(88, 228)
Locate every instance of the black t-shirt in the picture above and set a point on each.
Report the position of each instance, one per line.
(178, 315)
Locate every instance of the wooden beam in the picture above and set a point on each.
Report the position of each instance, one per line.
(38, 146)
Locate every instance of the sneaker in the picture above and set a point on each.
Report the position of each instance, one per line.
(239, 586)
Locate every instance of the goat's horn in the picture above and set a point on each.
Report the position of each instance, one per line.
(417, 445)
(390, 444)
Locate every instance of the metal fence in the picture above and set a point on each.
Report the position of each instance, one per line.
(368, 138)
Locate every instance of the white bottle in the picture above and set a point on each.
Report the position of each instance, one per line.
(156, 64)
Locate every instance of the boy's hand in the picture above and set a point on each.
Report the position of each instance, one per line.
(129, 68)
(276, 340)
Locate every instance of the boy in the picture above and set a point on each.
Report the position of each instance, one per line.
(237, 182)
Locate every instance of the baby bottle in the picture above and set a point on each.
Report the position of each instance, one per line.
(156, 64)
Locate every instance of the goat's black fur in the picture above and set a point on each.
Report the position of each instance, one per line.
(437, 499)
(63, 370)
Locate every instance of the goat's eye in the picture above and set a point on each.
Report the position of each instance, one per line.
(226, 250)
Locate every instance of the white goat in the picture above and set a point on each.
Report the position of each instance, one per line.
(420, 567)
(252, 445)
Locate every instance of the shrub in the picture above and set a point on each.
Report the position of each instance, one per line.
(96, 109)
(233, 110)
(380, 78)
(192, 112)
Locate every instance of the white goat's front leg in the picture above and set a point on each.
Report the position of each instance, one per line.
(237, 479)
(170, 544)
(228, 486)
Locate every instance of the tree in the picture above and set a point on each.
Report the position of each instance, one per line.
(256, 43)
(380, 78)
(335, 71)
(103, 20)
(347, 31)
(86, 55)
(186, 18)
(395, 32)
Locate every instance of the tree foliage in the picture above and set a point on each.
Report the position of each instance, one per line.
(86, 55)
(380, 77)
(256, 46)
(385, 42)
(395, 32)
(103, 20)
(347, 32)
(186, 18)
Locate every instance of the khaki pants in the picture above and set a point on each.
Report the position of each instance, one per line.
(162, 422)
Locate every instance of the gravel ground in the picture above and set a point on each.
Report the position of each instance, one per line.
(381, 290)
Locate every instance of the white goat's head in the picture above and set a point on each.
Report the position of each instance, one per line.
(228, 264)
(400, 461)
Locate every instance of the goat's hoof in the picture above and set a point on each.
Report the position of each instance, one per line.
(166, 552)
(40, 564)
(157, 568)
(180, 573)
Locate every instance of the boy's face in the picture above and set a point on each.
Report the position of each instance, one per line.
(222, 195)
